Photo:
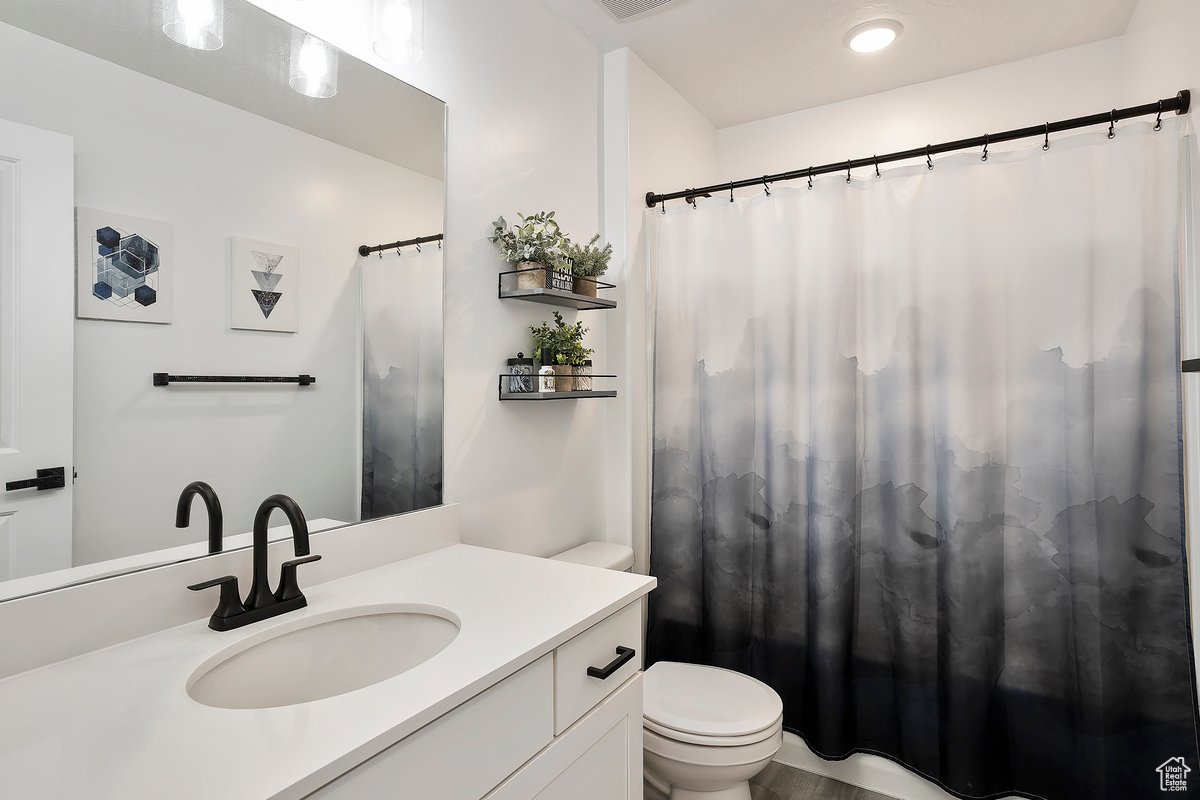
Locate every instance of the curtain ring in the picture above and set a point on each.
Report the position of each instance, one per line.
(877, 175)
(766, 186)
(398, 252)
(380, 252)
(1158, 122)
(928, 158)
(664, 207)
(439, 245)
(1046, 146)
(731, 191)
(847, 172)
(986, 141)
(418, 248)
(692, 200)
(810, 169)
(1112, 124)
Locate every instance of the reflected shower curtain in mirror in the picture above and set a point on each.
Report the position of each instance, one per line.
(917, 462)
(402, 382)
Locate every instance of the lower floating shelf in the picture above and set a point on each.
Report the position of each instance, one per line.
(533, 381)
(555, 395)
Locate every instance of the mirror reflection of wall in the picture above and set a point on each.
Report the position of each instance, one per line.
(218, 219)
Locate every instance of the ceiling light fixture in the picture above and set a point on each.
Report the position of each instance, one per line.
(398, 28)
(314, 68)
(872, 36)
(199, 24)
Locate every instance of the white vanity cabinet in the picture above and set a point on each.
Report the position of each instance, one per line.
(551, 731)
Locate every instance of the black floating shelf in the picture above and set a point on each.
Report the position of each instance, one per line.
(556, 395)
(506, 381)
(1191, 365)
(535, 286)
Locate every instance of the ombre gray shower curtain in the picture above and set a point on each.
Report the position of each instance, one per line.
(917, 462)
(402, 382)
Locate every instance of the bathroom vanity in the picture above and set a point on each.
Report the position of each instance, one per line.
(505, 710)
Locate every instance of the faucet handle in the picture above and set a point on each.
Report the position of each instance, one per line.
(289, 589)
(230, 603)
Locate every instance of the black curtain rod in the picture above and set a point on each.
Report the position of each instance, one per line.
(1179, 104)
(366, 250)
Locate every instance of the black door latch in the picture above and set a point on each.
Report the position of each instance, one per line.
(52, 478)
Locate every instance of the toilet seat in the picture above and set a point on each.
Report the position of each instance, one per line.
(709, 706)
(712, 741)
(706, 756)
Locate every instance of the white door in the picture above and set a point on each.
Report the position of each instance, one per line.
(37, 301)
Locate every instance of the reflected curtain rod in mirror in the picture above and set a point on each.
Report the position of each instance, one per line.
(366, 250)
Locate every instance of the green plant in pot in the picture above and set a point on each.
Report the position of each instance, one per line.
(588, 263)
(543, 342)
(535, 245)
(561, 344)
(579, 357)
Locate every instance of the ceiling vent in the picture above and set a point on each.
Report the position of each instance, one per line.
(630, 10)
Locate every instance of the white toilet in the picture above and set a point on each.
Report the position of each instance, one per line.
(705, 731)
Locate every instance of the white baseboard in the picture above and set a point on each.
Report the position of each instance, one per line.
(866, 772)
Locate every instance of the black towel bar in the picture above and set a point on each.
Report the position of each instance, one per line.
(163, 379)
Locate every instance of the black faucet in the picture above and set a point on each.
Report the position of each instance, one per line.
(261, 603)
(183, 511)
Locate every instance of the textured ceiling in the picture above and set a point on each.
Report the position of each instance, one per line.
(742, 60)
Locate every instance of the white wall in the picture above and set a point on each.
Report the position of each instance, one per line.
(1160, 51)
(653, 138)
(523, 90)
(212, 172)
(1067, 83)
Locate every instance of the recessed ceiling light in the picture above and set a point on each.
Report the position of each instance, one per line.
(874, 35)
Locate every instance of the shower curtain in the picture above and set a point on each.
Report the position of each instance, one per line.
(402, 382)
(917, 463)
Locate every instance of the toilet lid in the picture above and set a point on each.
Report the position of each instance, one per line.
(707, 701)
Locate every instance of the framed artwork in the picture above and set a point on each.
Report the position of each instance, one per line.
(123, 269)
(264, 286)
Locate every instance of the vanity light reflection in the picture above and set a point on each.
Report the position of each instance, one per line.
(397, 30)
(314, 68)
(199, 24)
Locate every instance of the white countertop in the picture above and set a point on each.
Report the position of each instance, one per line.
(118, 723)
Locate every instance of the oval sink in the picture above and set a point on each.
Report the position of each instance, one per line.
(323, 656)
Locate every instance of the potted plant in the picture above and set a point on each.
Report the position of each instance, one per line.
(588, 262)
(581, 366)
(536, 246)
(561, 345)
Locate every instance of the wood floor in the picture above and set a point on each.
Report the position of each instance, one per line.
(778, 782)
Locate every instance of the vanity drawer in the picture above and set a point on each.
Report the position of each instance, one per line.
(465, 753)
(604, 645)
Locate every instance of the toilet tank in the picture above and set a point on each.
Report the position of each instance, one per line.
(605, 555)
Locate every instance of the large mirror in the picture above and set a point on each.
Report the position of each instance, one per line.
(184, 191)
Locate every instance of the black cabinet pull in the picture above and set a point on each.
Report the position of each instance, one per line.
(624, 656)
(52, 478)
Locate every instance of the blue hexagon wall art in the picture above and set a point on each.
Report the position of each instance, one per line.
(124, 269)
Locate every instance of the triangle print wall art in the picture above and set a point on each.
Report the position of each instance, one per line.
(264, 284)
